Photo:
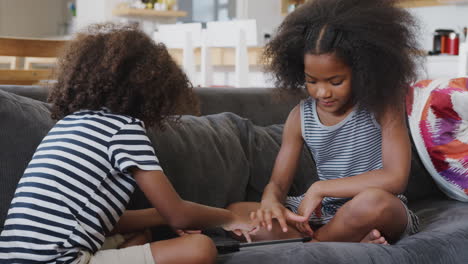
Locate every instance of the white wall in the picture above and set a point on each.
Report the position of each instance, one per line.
(32, 18)
(94, 11)
(439, 17)
(268, 16)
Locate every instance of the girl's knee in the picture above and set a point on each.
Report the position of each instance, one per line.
(202, 249)
(190, 249)
(368, 206)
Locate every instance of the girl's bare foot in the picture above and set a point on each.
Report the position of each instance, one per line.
(374, 237)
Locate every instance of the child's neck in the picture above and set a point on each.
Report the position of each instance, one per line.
(331, 119)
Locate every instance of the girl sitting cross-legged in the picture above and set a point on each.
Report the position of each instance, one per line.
(355, 59)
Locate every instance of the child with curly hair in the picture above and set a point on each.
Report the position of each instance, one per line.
(112, 81)
(355, 59)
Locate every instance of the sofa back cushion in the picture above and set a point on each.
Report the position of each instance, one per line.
(265, 143)
(23, 124)
(35, 92)
(263, 106)
(204, 158)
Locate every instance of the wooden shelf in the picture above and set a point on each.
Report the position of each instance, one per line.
(148, 13)
(24, 77)
(25, 47)
(419, 3)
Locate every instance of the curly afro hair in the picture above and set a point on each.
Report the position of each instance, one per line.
(119, 67)
(374, 37)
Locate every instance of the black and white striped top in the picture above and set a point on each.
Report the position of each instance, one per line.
(351, 147)
(75, 188)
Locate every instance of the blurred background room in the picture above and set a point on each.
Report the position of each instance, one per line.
(217, 42)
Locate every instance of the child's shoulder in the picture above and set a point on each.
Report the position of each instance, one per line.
(103, 117)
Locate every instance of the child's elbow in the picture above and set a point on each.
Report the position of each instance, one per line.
(398, 184)
(178, 219)
(180, 223)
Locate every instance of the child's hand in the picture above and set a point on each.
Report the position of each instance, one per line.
(241, 227)
(269, 210)
(311, 202)
(182, 232)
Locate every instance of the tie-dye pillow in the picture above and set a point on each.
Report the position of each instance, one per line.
(438, 119)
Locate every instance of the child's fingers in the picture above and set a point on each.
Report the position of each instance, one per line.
(254, 230)
(260, 217)
(295, 217)
(304, 228)
(308, 229)
(268, 222)
(192, 231)
(182, 232)
(282, 221)
(237, 232)
(247, 236)
(253, 216)
(254, 221)
(244, 233)
(301, 227)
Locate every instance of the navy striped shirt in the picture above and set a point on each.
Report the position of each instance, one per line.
(75, 188)
(351, 147)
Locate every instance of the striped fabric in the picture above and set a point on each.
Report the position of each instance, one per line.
(349, 148)
(75, 188)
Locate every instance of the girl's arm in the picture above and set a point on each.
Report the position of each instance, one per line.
(181, 214)
(137, 220)
(287, 160)
(284, 170)
(396, 157)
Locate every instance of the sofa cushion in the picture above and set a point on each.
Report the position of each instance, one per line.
(23, 124)
(203, 158)
(36, 92)
(265, 143)
(263, 106)
(442, 239)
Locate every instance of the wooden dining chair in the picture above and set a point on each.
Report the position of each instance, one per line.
(23, 47)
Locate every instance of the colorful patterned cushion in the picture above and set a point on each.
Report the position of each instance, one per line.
(438, 119)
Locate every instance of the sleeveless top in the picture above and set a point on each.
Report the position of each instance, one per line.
(349, 148)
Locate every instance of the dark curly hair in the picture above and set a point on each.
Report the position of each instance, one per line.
(121, 68)
(374, 37)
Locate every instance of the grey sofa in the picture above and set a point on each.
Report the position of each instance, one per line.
(226, 155)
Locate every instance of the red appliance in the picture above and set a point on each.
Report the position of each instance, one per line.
(452, 44)
(446, 41)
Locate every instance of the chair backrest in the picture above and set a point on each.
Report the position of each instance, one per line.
(238, 34)
(24, 47)
(8, 62)
(182, 36)
(225, 33)
(173, 35)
